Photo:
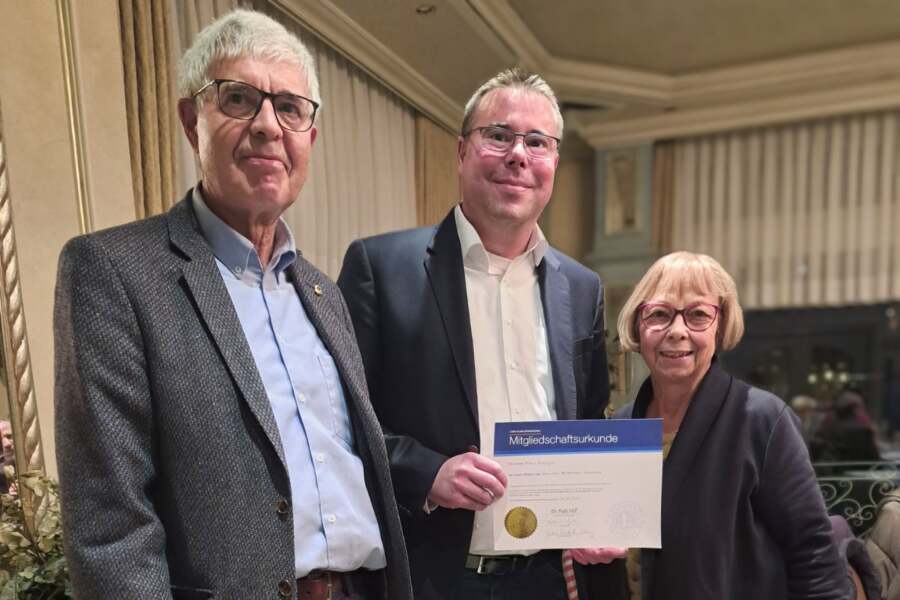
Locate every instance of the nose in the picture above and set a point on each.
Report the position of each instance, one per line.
(516, 153)
(265, 123)
(678, 328)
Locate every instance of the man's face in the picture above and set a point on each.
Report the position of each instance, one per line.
(513, 188)
(7, 437)
(252, 170)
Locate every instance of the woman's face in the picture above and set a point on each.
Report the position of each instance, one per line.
(676, 354)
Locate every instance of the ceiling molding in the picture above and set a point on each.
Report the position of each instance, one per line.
(574, 80)
(786, 75)
(343, 34)
(724, 90)
(609, 133)
(478, 24)
(504, 22)
(638, 105)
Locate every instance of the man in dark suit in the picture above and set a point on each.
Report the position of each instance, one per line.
(215, 437)
(469, 323)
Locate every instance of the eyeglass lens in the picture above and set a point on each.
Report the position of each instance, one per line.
(501, 139)
(243, 101)
(697, 317)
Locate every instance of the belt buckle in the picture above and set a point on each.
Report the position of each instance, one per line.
(316, 574)
(479, 569)
(508, 563)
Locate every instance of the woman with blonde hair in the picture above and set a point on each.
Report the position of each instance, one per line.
(742, 515)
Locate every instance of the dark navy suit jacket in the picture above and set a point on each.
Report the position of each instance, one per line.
(406, 292)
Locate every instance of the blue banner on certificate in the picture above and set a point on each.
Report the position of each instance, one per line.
(579, 484)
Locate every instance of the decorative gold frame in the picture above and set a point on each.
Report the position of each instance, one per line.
(16, 357)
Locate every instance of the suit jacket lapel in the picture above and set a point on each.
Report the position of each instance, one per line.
(444, 266)
(204, 282)
(328, 323)
(557, 304)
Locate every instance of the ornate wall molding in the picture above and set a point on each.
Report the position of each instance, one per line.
(73, 108)
(17, 359)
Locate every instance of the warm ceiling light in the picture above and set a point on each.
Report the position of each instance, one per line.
(425, 9)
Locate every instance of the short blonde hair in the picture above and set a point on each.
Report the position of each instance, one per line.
(516, 78)
(685, 272)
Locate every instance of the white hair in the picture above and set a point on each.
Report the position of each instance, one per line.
(243, 33)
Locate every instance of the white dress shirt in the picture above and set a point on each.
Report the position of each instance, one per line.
(513, 379)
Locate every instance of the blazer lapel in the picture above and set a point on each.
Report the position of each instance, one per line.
(204, 282)
(444, 266)
(328, 323)
(557, 303)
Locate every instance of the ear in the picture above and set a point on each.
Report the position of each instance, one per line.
(460, 151)
(187, 113)
(313, 134)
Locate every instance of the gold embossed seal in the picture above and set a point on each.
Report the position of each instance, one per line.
(520, 522)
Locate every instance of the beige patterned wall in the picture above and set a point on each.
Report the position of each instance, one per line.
(66, 140)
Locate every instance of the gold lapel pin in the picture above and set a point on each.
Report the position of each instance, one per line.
(317, 289)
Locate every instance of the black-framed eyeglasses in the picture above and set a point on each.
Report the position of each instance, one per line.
(241, 100)
(657, 316)
(499, 140)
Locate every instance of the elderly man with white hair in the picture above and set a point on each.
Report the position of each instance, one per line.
(215, 437)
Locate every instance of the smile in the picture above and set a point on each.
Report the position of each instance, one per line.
(670, 354)
(268, 162)
(513, 184)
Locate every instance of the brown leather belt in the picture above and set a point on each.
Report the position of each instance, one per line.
(320, 585)
(332, 585)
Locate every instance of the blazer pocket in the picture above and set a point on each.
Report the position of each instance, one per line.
(583, 346)
(180, 592)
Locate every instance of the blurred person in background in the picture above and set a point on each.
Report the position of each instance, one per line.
(847, 435)
(810, 415)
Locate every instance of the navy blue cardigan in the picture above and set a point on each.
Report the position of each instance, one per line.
(742, 515)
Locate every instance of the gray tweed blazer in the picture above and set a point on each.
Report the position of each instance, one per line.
(172, 472)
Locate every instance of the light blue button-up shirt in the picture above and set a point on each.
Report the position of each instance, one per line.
(334, 523)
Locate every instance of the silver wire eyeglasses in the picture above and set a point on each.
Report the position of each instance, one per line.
(657, 316)
(499, 140)
(241, 100)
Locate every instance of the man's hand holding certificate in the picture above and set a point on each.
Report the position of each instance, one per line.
(578, 484)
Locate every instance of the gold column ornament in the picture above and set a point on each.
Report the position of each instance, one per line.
(16, 357)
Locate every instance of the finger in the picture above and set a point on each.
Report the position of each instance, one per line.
(592, 556)
(578, 556)
(484, 463)
(477, 494)
(487, 482)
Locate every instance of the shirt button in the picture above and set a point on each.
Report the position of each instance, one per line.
(332, 518)
(301, 397)
(238, 270)
(320, 458)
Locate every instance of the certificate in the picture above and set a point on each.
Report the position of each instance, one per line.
(579, 484)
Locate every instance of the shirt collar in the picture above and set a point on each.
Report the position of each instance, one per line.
(237, 252)
(476, 256)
